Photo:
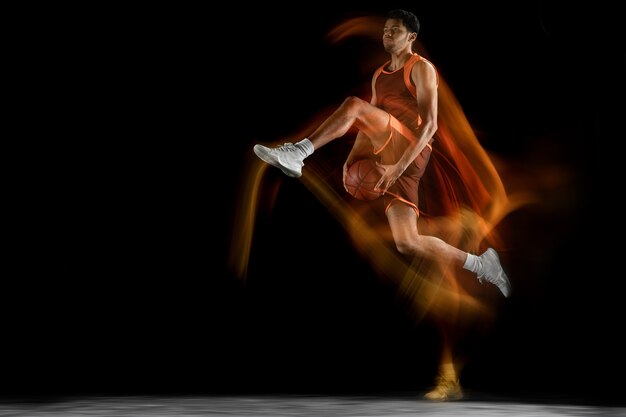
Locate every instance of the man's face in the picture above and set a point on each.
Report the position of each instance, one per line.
(395, 35)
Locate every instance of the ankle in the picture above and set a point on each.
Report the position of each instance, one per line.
(472, 263)
(306, 146)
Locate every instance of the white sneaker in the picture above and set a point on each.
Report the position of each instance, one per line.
(492, 271)
(288, 157)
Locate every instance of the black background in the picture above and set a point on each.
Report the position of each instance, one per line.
(119, 280)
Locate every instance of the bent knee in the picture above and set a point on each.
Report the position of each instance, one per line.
(406, 247)
(353, 103)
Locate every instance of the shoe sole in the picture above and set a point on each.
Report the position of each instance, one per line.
(260, 151)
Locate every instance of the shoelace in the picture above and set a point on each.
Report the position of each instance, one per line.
(484, 276)
(287, 147)
(447, 382)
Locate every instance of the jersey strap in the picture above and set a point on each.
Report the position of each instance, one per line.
(408, 66)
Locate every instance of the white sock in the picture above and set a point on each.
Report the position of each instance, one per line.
(306, 145)
(472, 263)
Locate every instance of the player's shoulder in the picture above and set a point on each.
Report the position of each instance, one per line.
(422, 66)
(422, 69)
(421, 62)
(380, 69)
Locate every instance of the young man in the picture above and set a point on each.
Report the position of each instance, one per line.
(397, 127)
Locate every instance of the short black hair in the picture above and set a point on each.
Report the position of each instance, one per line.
(408, 18)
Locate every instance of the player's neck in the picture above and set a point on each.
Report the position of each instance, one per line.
(398, 60)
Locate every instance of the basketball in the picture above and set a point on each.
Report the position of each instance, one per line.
(361, 179)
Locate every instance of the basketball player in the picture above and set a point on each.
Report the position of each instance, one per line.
(398, 126)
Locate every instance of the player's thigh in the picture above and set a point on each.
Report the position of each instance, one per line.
(375, 124)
